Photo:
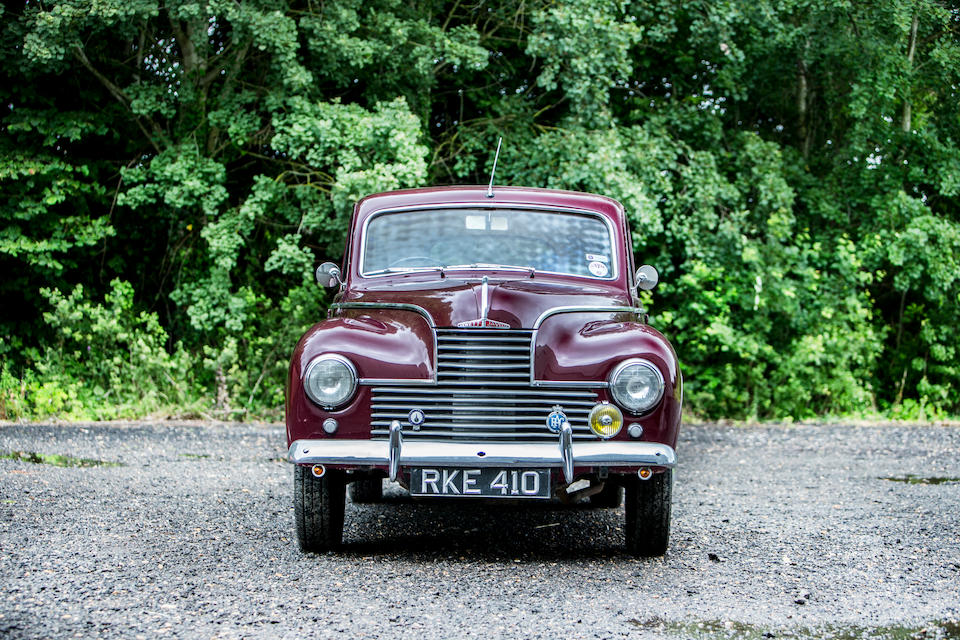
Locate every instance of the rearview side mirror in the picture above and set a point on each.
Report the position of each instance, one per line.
(328, 275)
(647, 277)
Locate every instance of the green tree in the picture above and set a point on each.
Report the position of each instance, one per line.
(791, 167)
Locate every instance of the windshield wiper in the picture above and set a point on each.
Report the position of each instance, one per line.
(488, 265)
(379, 272)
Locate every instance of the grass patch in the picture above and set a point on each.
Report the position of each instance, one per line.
(728, 630)
(912, 479)
(57, 460)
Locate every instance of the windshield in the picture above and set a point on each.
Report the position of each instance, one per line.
(556, 242)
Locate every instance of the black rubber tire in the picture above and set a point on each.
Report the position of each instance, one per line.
(318, 509)
(610, 497)
(648, 504)
(366, 490)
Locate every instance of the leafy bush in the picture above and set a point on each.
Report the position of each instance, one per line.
(108, 361)
(792, 168)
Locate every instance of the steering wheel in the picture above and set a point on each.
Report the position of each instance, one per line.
(400, 261)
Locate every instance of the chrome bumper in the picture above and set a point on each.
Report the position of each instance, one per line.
(564, 453)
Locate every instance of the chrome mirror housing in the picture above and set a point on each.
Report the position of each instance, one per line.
(328, 275)
(647, 277)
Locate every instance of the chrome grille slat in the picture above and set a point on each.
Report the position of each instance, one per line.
(508, 357)
(506, 348)
(468, 419)
(527, 393)
(532, 393)
(483, 374)
(536, 427)
(472, 413)
(485, 435)
(473, 383)
(472, 366)
(482, 393)
(486, 338)
(414, 402)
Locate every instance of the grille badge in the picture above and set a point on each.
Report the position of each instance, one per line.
(416, 418)
(556, 419)
(485, 323)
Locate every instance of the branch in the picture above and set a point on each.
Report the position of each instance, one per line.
(186, 46)
(446, 23)
(114, 90)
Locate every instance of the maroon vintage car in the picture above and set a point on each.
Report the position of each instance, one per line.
(487, 347)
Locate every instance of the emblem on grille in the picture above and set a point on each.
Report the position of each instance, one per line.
(556, 419)
(416, 418)
(483, 322)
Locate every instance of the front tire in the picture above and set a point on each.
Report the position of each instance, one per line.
(366, 490)
(318, 509)
(648, 505)
(610, 497)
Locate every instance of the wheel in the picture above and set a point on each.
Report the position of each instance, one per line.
(610, 497)
(366, 490)
(648, 514)
(318, 509)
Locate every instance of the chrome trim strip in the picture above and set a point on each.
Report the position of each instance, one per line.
(554, 384)
(614, 249)
(611, 453)
(583, 309)
(397, 382)
(569, 309)
(399, 306)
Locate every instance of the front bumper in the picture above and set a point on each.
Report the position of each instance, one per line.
(566, 454)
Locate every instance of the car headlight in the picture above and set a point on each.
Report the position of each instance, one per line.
(330, 381)
(636, 385)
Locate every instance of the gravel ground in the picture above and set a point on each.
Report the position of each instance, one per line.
(778, 531)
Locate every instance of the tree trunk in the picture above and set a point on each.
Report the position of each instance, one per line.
(905, 120)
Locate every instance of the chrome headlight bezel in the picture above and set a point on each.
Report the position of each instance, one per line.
(350, 372)
(625, 400)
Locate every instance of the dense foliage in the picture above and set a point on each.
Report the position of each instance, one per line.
(170, 174)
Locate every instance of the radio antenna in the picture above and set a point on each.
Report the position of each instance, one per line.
(494, 171)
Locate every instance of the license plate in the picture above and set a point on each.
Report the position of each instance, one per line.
(483, 482)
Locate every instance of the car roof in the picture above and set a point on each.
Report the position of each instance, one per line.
(476, 195)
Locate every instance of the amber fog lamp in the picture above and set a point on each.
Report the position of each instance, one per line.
(318, 470)
(605, 420)
(636, 385)
(330, 381)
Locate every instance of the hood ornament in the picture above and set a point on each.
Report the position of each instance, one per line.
(482, 321)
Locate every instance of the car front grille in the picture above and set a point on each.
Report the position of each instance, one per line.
(482, 393)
